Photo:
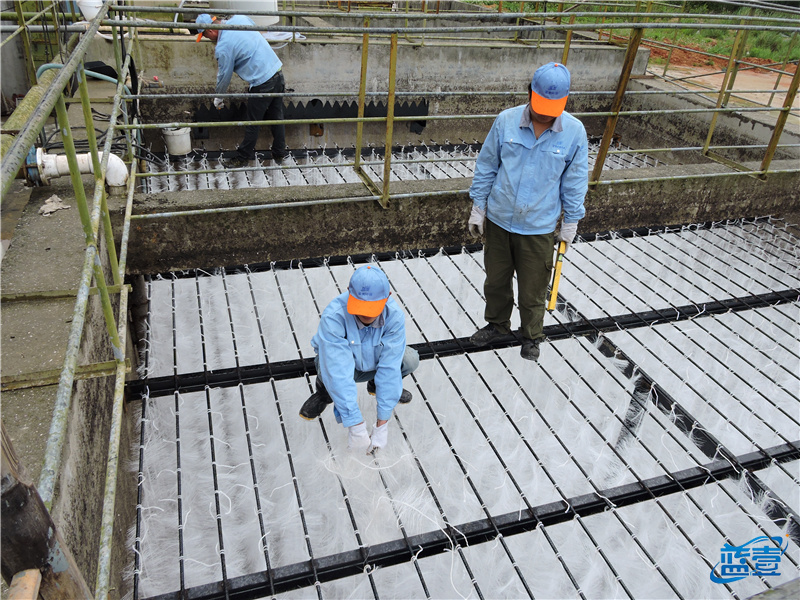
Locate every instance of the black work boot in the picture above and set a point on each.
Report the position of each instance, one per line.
(530, 349)
(405, 397)
(237, 162)
(487, 335)
(316, 403)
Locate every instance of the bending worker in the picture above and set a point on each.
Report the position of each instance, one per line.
(250, 56)
(532, 167)
(361, 337)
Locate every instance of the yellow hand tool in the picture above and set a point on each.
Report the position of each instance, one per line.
(562, 249)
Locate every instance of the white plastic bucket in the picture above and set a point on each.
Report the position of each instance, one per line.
(240, 7)
(178, 140)
(90, 8)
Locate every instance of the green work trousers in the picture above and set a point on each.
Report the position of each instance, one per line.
(531, 256)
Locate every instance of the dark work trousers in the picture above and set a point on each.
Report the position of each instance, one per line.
(531, 256)
(265, 109)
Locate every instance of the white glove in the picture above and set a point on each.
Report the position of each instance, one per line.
(380, 436)
(219, 103)
(568, 232)
(358, 439)
(477, 219)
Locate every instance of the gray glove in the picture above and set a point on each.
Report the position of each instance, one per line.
(568, 232)
(380, 436)
(219, 103)
(358, 438)
(477, 219)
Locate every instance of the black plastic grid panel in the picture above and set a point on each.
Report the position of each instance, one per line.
(252, 494)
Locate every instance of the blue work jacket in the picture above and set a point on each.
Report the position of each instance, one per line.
(343, 348)
(245, 52)
(523, 183)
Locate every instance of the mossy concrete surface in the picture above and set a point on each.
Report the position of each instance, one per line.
(46, 255)
(678, 195)
(787, 591)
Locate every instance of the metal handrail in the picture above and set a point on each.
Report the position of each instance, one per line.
(25, 139)
(25, 25)
(441, 16)
(433, 30)
(11, 163)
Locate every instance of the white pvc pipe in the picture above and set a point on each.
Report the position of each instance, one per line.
(117, 172)
(52, 166)
(90, 8)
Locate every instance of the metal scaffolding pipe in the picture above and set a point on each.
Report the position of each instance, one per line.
(782, 118)
(438, 30)
(14, 157)
(362, 91)
(90, 231)
(58, 426)
(102, 583)
(622, 84)
(23, 27)
(387, 156)
(417, 94)
(621, 113)
(738, 45)
(458, 16)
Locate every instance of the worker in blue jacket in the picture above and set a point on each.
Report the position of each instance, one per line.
(250, 56)
(532, 169)
(361, 337)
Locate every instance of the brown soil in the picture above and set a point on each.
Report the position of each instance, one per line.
(688, 57)
(685, 64)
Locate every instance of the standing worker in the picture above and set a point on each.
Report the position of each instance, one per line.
(361, 337)
(532, 167)
(250, 56)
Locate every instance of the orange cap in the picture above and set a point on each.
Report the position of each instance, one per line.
(550, 89)
(548, 108)
(365, 308)
(369, 291)
(204, 19)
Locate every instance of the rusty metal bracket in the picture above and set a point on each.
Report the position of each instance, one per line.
(55, 294)
(51, 376)
(716, 157)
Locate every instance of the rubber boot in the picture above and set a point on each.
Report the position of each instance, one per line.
(316, 403)
(405, 397)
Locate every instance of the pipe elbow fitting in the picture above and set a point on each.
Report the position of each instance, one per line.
(51, 166)
(117, 172)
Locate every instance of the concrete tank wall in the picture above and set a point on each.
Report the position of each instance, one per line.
(46, 257)
(320, 68)
(284, 233)
(673, 127)
(329, 67)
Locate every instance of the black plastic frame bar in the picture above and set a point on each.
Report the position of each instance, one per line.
(195, 382)
(350, 563)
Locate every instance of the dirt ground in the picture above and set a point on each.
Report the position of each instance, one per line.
(696, 70)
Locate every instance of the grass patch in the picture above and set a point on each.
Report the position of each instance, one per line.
(775, 46)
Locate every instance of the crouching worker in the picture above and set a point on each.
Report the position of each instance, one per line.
(361, 337)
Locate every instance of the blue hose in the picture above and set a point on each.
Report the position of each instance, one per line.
(49, 66)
